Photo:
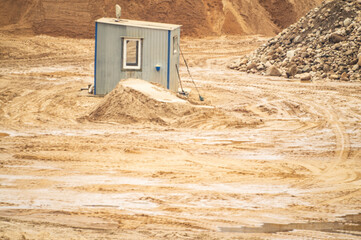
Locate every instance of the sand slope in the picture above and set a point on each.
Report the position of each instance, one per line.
(199, 18)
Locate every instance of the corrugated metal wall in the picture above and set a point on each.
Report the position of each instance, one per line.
(154, 51)
(174, 60)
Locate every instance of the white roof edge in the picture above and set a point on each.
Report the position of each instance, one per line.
(141, 24)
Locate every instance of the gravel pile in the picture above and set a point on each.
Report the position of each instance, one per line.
(324, 44)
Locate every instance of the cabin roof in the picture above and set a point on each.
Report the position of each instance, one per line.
(140, 24)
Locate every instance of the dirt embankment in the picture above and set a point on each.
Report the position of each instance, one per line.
(199, 18)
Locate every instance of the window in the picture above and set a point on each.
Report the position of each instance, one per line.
(132, 53)
(175, 44)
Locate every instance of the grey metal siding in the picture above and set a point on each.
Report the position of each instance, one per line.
(154, 52)
(174, 60)
(109, 52)
(109, 56)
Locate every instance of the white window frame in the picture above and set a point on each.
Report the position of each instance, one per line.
(175, 44)
(139, 57)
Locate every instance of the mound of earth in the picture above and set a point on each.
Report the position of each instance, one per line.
(138, 101)
(326, 43)
(135, 100)
(199, 18)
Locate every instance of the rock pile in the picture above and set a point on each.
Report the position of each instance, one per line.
(326, 43)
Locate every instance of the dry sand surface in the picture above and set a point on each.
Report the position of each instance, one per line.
(273, 158)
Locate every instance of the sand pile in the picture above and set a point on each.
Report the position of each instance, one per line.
(199, 18)
(135, 100)
(138, 101)
(323, 44)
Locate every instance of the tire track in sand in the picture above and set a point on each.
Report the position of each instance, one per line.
(342, 142)
(342, 139)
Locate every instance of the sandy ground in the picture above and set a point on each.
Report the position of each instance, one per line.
(290, 171)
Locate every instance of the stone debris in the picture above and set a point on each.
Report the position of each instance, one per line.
(324, 44)
(292, 71)
(273, 71)
(306, 77)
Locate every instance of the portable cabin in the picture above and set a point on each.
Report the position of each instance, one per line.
(135, 49)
